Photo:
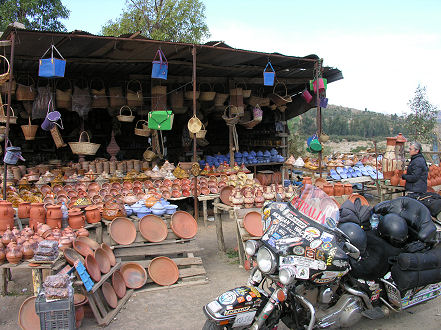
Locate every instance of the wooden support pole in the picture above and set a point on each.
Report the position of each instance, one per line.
(196, 206)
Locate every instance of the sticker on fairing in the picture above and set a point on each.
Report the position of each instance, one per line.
(303, 262)
(315, 244)
(302, 273)
(227, 298)
(314, 232)
(326, 237)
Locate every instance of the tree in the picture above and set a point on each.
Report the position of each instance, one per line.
(168, 20)
(422, 119)
(41, 15)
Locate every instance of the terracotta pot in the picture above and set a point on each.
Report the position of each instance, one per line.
(83, 232)
(28, 252)
(93, 214)
(347, 189)
(23, 210)
(338, 189)
(8, 236)
(14, 255)
(2, 255)
(307, 180)
(328, 188)
(395, 179)
(6, 216)
(37, 214)
(54, 216)
(76, 219)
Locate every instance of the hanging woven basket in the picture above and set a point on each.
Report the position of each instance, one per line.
(84, 148)
(199, 134)
(3, 117)
(4, 77)
(29, 130)
(144, 131)
(149, 155)
(125, 118)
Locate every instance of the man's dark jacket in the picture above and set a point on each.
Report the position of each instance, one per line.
(416, 177)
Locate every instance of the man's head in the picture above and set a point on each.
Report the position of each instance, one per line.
(414, 148)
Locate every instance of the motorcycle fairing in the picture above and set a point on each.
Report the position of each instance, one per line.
(303, 244)
(239, 300)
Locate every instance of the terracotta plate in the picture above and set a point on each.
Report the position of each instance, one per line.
(103, 260)
(82, 248)
(71, 256)
(225, 193)
(110, 254)
(110, 295)
(93, 268)
(183, 224)
(118, 284)
(123, 231)
(163, 271)
(79, 299)
(92, 244)
(135, 276)
(153, 228)
(252, 222)
(363, 200)
(28, 319)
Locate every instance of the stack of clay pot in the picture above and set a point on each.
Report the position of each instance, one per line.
(16, 245)
(337, 189)
(434, 176)
(249, 196)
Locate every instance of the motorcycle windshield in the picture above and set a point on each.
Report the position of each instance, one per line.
(308, 220)
(318, 206)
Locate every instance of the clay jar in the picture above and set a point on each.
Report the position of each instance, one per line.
(328, 188)
(395, 179)
(338, 189)
(6, 216)
(14, 254)
(54, 216)
(93, 214)
(76, 218)
(23, 210)
(307, 180)
(347, 189)
(37, 214)
(28, 252)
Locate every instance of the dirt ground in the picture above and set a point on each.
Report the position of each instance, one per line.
(181, 308)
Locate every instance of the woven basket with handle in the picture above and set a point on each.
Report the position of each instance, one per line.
(149, 155)
(56, 136)
(29, 130)
(3, 117)
(4, 77)
(144, 131)
(125, 118)
(84, 148)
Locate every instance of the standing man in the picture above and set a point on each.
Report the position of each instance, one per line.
(416, 177)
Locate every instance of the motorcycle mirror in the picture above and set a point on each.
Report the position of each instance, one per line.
(352, 251)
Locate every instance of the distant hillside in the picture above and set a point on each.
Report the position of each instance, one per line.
(341, 122)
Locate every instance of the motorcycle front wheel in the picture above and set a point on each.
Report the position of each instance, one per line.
(213, 326)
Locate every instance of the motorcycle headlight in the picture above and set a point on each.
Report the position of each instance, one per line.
(251, 247)
(266, 260)
(287, 275)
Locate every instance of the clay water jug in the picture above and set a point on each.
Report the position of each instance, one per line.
(395, 179)
(338, 189)
(28, 252)
(54, 216)
(347, 189)
(6, 216)
(23, 210)
(93, 214)
(37, 214)
(328, 189)
(76, 219)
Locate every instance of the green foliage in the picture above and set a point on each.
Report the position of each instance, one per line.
(233, 255)
(421, 121)
(169, 20)
(349, 124)
(358, 149)
(41, 15)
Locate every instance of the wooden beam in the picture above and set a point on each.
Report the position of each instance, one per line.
(5, 43)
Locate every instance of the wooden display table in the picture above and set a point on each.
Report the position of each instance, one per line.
(204, 199)
(218, 208)
(39, 273)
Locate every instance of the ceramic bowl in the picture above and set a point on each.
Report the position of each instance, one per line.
(163, 271)
(110, 295)
(183, 225)
(103, 260)
(123, 231)
(118, 284)
(93, 268)
(110, 254)
(135, 276)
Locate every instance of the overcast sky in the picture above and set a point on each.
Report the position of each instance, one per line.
(384, 48)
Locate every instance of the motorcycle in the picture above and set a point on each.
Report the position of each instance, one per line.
(303, 274)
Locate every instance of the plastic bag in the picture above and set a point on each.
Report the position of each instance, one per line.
(56, 281)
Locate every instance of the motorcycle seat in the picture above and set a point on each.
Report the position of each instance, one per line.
(416, 214)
